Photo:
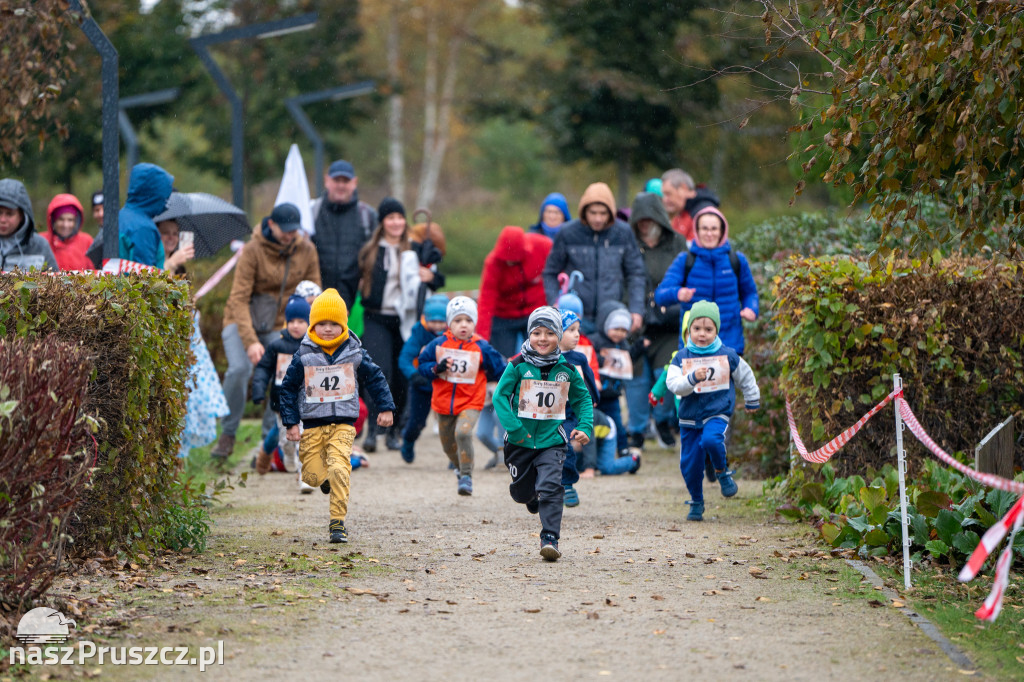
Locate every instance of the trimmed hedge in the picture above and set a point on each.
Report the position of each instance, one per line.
(136, 331)
(46, 451)
(953, 328)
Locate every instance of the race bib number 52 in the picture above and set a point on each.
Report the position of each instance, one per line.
(717, 376)
(330, 384)
(543, 399)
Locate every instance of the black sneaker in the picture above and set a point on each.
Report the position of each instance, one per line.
(666, 438)
(549, 547)
(533, 506)
(636, 440)
(338, 531)
(393, 441)
(325, 487)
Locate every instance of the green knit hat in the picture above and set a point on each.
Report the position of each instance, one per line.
(705, 309)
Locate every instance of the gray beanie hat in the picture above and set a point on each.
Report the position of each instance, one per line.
(460, 305)
(546, 317)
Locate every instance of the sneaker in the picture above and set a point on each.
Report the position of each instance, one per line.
(666, 438)
(325, 487)
(709, 469)
(729, 487)
(408, 453)
(572, 498)
(533, 506)
(305, 488)
(465, 485)
(392, 440)
(370, 442)
(492, 462)
(338, 531)
(225, 447)
(696, 511)
(549, 547)
(635, 440)
(636, 463)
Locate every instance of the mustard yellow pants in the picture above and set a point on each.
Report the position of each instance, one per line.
(325, 452)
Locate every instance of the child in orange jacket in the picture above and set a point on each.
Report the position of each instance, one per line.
(460, 363)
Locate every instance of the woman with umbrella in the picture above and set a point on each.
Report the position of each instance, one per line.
(178, 253)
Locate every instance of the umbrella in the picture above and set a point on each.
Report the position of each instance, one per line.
(214, 221)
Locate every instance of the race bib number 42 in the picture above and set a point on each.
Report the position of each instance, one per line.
(543, 399)
(463, 365)
(717, 376)
(330, 384)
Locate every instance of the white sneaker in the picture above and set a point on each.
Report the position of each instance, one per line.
(305, 489)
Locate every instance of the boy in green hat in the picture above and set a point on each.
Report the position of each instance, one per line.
(704, 375)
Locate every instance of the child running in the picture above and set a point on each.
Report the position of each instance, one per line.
(431, 325)
(327, 371)
(460, 363)
(530, 401)
(270, 371)
(567, 344)
(702, 374)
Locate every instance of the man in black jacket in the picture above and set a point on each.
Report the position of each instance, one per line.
(342, 225)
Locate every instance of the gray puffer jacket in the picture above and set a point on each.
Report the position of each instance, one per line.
(295, 407)
(24, 249)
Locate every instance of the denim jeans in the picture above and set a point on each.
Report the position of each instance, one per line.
(489, 431)
(636, 401)
(418, 403)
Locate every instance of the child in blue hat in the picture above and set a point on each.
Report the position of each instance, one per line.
(431, 325)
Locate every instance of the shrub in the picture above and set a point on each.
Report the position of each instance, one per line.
(46, 451)
(136, 330)
(953, 329)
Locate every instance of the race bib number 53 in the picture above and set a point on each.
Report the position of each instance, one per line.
(718, 373)
(463, 365)
(543, 399)
(330, 384)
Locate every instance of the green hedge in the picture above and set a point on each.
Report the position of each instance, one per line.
(136, 331)
(953, 328)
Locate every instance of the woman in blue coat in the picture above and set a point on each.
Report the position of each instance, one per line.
(712, 271)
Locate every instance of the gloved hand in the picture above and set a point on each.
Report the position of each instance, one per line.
(442, 366)
(654, 402)
(418, 379)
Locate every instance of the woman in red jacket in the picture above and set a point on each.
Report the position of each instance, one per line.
(511, 288)
(64, 233)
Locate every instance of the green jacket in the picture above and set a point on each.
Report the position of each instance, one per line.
(541, 433)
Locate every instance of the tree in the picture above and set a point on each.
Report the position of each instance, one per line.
(615, 99)
(921, 100)
(36, 60)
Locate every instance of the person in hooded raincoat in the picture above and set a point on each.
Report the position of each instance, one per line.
(64, 233)
(20, 246)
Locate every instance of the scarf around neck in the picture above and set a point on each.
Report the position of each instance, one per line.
(536, 359)
(709, 349)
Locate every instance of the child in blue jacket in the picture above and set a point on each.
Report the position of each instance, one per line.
(704, 375)
(431, 325)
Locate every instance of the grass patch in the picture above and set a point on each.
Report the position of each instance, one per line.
(203, 469)
(996, 648)
(461, 282)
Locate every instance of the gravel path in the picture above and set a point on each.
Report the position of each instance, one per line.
(441, 587)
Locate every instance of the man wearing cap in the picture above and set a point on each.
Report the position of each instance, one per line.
(271, 265)
(342, 225)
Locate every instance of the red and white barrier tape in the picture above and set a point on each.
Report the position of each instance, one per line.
(991, 480)
(825, 452)
(989, 541)
(222, 271)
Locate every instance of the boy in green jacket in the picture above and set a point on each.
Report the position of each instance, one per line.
(530, 402)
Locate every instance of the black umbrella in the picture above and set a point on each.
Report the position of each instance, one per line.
(214, 221)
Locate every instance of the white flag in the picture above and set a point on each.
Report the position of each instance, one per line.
(295, 188)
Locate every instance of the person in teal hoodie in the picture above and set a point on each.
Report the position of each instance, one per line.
(531, 400)
(149, 188)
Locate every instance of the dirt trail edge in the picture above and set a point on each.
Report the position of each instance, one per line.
(435, 586)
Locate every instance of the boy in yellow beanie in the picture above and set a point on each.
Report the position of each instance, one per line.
(321, 389)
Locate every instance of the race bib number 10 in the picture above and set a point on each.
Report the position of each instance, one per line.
(463, 365)
(543, 399)
(330, 384)
(718, 373)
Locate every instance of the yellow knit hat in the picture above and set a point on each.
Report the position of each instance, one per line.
(329, 307)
